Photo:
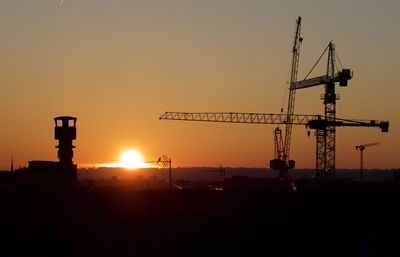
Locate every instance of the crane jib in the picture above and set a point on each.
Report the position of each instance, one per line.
(311, 121)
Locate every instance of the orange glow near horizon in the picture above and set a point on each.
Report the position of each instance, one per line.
(118, 65)
(130, 159)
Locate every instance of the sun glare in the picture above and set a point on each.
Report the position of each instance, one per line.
(132, 159)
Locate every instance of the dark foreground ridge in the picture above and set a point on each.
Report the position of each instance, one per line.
(93, 221)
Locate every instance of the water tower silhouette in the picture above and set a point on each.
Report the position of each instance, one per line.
(65, 133)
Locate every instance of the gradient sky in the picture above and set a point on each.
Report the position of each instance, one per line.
(118, 64)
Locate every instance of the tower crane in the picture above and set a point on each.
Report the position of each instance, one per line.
(324, 126)
(361, 148)
(326, 136)
(315, 122)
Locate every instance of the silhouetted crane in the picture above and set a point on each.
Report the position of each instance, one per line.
(281, 161)
(166, 162)
(326, 136)
(361, 148)
(315, 122)
(325, 126)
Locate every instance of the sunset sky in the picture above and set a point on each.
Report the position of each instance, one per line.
(118, 64)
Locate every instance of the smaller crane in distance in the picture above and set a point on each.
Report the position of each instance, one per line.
(361, 148)
(166, 163)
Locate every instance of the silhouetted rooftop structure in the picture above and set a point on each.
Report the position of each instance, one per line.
(48, 172)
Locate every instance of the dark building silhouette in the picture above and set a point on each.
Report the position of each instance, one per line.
(48, 172)
(64, 169)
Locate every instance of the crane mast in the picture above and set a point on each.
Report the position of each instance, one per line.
(292, 97)
(326, 138)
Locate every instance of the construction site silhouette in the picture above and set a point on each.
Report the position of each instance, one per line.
(47, 210)
(54, 208)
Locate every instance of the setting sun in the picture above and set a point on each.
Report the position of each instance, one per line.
(132, 159)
